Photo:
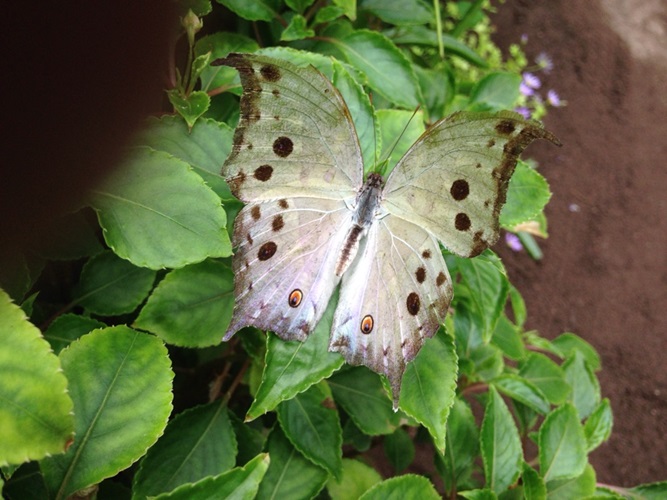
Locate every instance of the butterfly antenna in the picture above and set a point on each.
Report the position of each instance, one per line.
(388, 155)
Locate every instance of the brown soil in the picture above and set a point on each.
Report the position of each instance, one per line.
(604, 272)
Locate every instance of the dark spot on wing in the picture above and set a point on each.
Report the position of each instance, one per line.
(460, 190)
(412, 303)
(283, 146)
(277, 224)
(256, 212)
(295, 298)
(420, 274)
(367, 324)
(462, 222)
(479, 244)
(276, 117)
(267, 250)
(440, 279)
(479, 165)
(283, 204)
(270, 72)
(263, 173)
(505, 127)
(426, 254)
(276, 92)
(249, 238)
(491, 143)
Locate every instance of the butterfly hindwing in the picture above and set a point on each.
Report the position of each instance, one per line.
(393, 297)
(295, 136)
(284, 264)
(453, 180)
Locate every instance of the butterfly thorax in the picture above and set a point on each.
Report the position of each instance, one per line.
(366, 209)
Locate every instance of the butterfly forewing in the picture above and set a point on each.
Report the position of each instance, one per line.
(295, 136)
(453, 180)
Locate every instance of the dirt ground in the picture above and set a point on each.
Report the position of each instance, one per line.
(604, 272)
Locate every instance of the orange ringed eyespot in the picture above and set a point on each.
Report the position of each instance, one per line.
(295, 298)
(367, 324)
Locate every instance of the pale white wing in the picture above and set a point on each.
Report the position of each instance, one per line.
(393, 297)
(284, 265)
(453, 180)
(295, 136)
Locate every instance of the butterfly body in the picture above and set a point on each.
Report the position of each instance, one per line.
(311, 224)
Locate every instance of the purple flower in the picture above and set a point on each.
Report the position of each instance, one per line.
(525, 89)
(544, 61)
(523, 111)
(531, 80)
(524, 39)
(513, 242)
(553, 98)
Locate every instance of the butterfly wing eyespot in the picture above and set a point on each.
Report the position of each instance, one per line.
(295, 298)
(367, 324)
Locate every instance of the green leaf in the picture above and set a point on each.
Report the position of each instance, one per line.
(533, 485)
(301, 58)
(26, 482)
(191, 306)
(518, 306)
(220, 45)
(297, 29)
(562, 445)
(598, 425)
(507, 338)
(199, 442)
(361, 394)
(429, 386)
(399, 449)
(204, 148)
(313, 428)
(423, 35)
(357, 478)
(156, 213)
(353, 436)
(120, 382)
(651, 491)
(568, 343)
(585, 386)
(522, 390)
(349, 7)
(487, 361)
(547, 376)
(240, 483)
(485, 277)
(252, 10)
(578, 487)
(251, 440)
(190, 106)
(299, 5)
(111, 286)
(290, 475)
(400, 11)
(496, 91)
(484, 494)
(437, 87)
(67, 328)
(15, 275)
(527, 195)
(327, 14)
(36, 411)
(292, 367)
(407, 486)
(376, 56)
(500, 444)
(399, 130)
(457, 462)
(363, 115)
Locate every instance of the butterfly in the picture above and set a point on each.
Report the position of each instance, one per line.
(311, 222)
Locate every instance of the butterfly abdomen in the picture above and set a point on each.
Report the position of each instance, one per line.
(366, 208)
